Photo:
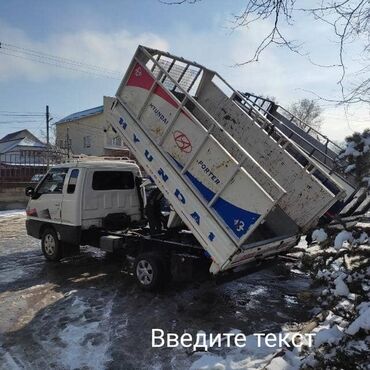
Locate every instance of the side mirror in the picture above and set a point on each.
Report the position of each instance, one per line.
(29, 191)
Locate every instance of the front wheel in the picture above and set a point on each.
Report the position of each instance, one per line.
(51, 246)
(149, 271)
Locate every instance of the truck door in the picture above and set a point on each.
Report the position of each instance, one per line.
(48, 197)
(71, 207)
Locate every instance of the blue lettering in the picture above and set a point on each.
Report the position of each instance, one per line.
(123, 123)
(211, 236)
(148, 156)
(179, 196)
(196, 217)
(162, 174)
(136, 139)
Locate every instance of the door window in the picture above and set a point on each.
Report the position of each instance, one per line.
(53, 181)
(72, 181)
(113, 180)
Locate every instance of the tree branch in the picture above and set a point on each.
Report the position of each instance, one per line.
(350, 22)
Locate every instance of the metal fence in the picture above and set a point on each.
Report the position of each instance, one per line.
(17, 168)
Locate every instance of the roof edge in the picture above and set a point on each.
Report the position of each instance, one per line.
(82, 114)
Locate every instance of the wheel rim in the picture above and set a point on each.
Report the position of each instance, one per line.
(49, 244)
(144, 272)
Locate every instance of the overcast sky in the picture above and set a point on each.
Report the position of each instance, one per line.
(106, 33)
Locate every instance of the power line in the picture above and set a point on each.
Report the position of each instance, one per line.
(56, 58)
(26, 121)
(59, 62)
(59, 66)
(15, 112)
(21, 115)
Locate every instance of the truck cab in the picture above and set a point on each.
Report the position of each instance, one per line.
(76, 200)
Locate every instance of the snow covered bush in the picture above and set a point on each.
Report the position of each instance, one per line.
(340, 328)
(343, 236)
(319, 235)
(357, 154)
(362, 321)
(342, 338)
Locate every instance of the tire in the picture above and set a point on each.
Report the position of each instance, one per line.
(51, 246)
(149, 271)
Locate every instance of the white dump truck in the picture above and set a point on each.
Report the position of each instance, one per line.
(240, 190)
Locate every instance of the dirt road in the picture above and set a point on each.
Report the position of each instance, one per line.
(84, 313)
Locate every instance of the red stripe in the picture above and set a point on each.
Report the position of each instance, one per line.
(165, 95)
(140, 77)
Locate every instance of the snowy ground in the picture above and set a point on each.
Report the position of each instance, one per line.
(11, 213)
(340, 328)
(85, 314)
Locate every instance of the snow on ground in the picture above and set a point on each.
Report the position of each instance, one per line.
(12, 213)
(343, 236)
(60, 316)
(341, 288)
(362, 321)
(350, 168)
(319, 235)
(328, 335)
(77, 325)
(85, 343)
(253, 357)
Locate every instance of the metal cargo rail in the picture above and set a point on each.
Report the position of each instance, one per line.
(317, 146)
(223, 190)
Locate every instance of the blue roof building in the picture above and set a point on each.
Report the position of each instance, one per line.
(82, 114)
(89, 132)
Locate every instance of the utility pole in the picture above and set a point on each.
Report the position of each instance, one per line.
(47, 126)
(67, 142)
(47, 136)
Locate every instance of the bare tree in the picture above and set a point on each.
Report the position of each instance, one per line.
(52, 133)
(309, 112)
(348, 19)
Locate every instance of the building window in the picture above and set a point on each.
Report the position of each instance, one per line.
(87, 142)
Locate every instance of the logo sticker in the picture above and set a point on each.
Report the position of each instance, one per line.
(182, 141)
(138, 72)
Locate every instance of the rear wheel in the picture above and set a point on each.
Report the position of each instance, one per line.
(149, 271)
(51, 246)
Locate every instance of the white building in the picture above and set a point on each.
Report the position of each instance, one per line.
(21, 147)
(89, 132)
